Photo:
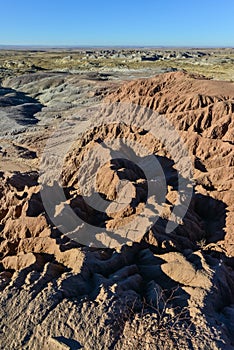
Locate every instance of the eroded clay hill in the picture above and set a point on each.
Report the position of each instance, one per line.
(59, 294)
(203, 111)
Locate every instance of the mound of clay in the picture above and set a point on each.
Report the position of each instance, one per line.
(202, 110)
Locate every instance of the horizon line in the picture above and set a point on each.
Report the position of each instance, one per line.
(51, 46)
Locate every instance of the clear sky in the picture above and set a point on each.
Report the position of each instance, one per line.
(122, 22)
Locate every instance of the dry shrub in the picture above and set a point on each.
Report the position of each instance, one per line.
(156, 324)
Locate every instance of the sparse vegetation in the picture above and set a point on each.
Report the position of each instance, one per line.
(202, 243)
(216, 63)
(159, 323)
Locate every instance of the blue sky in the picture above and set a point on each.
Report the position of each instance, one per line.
(122, 22)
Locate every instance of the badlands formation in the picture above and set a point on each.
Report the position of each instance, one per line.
(163, 289)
